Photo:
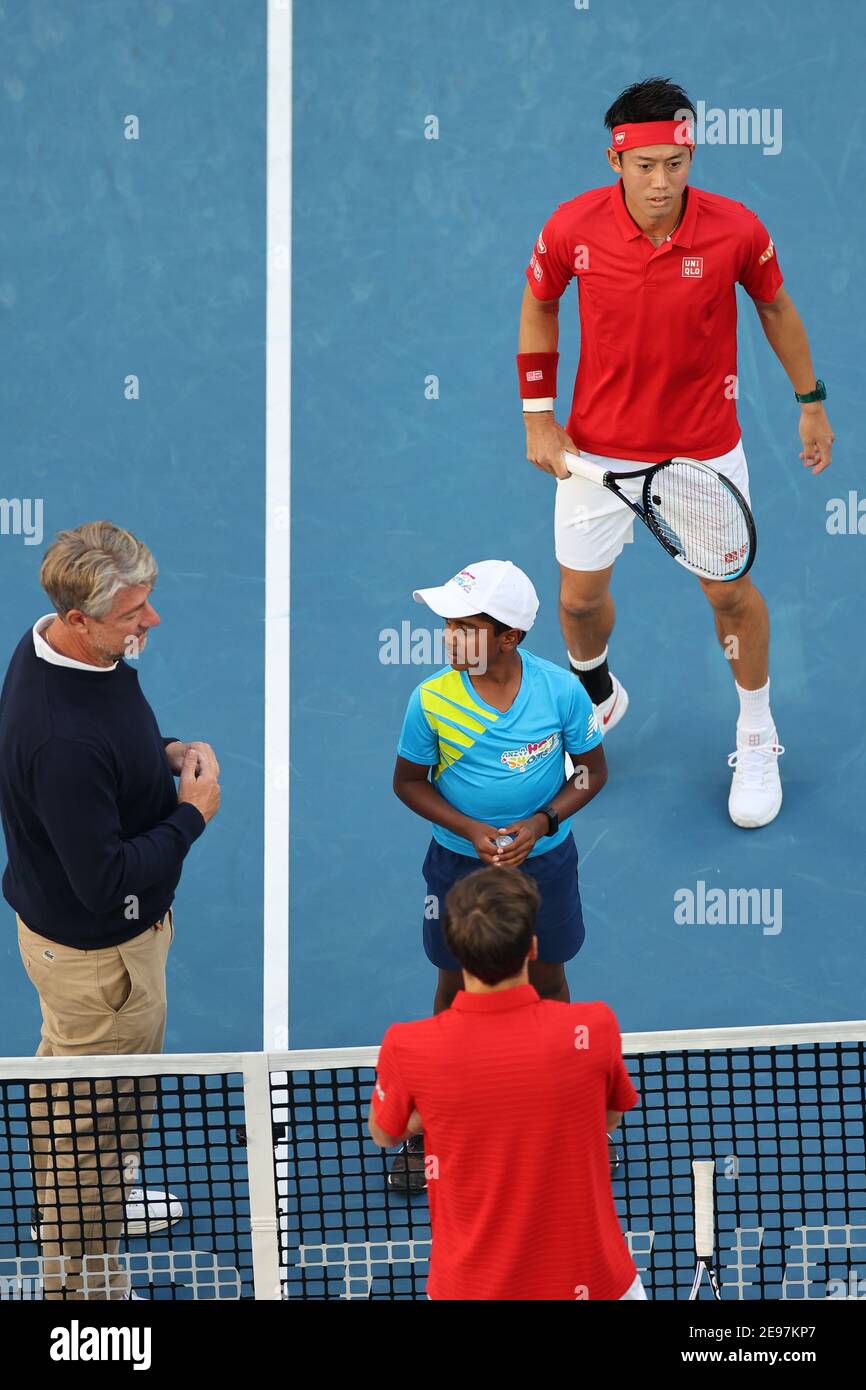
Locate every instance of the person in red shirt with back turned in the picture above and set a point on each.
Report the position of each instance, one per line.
(657, 264)
(515, 1095)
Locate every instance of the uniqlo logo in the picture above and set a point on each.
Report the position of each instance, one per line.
(535, 376)
(693, 267)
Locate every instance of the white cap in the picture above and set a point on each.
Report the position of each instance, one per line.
(495, 587)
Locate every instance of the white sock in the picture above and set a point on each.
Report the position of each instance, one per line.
(587, 665)
(755, 709)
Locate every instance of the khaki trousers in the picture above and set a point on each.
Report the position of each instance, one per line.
(86, 1137)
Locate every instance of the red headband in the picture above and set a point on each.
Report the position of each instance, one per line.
(630, 137)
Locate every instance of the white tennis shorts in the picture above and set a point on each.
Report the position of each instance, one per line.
(591, 525)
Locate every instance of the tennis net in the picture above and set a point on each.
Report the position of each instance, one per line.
(264, 1182)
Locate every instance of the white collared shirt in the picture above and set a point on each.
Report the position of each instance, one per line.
(47, 653)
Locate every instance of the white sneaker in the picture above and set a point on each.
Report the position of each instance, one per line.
(147, 1211)
(756, 788)
(611, 710)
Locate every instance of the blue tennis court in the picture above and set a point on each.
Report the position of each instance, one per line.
(260, 276)
(409, 258)
(147, 258)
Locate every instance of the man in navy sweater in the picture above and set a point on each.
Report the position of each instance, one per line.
(96, 835)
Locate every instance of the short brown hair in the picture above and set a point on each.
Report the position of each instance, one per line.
(489, 922)
(85, 568)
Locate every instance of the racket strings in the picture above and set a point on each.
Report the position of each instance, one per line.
(698, 515)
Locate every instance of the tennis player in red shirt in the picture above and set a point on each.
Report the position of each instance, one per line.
(657, 263)
(515, 1095)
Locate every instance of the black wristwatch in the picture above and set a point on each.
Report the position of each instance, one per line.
(552, 819)
(819, 394)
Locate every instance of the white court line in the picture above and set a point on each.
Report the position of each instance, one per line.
(278, 365)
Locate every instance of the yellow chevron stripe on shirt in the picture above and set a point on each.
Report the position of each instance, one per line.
(447, 756)
(451, 688)
(445, 698)
(432, 706)
(448, 732)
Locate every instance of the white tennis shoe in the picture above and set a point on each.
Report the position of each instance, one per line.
(611, 710)
(756, 789)
(147, 1211)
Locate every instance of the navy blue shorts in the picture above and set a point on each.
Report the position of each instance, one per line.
(559, 926)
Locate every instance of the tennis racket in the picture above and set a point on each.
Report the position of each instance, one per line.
(695, 513)
(703, 1170)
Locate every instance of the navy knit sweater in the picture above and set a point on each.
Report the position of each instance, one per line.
(94, 833)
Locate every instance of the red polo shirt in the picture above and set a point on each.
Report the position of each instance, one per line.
(658, 326)
(513, 1091)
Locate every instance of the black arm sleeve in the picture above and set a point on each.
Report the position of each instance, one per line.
(75, 795)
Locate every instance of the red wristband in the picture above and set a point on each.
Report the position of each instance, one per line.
(536, 374)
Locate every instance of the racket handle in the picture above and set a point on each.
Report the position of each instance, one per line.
(703, 1171)
(582, 468)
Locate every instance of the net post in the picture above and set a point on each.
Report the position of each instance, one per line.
(264, 1228)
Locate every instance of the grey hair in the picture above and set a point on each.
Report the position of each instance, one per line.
(85, 568)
